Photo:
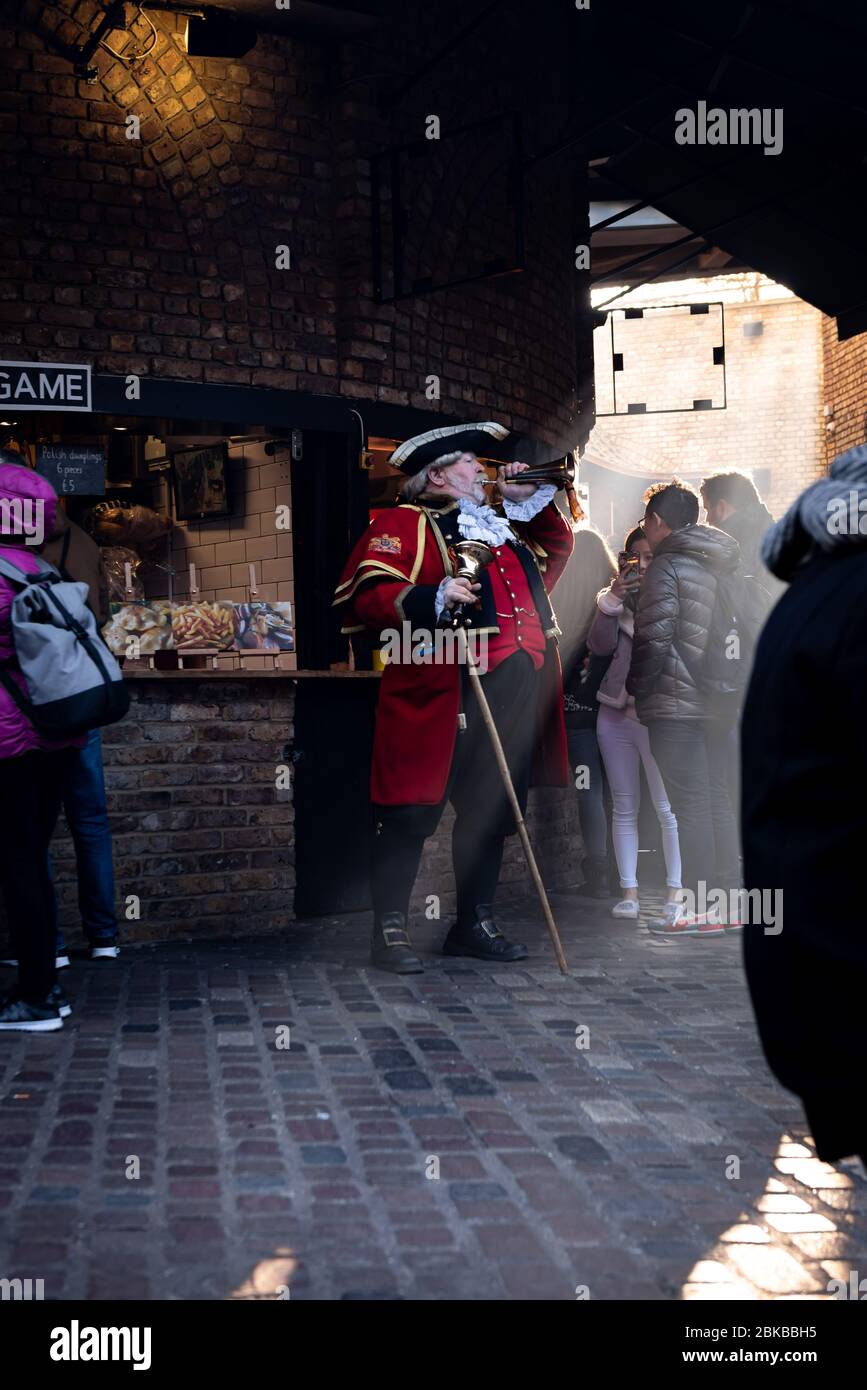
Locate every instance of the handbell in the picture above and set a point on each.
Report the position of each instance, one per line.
(469, 559)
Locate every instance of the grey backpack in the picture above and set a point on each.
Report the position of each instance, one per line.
(73, 682)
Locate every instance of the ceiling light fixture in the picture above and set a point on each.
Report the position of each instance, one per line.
(214, 33)
(208, 32)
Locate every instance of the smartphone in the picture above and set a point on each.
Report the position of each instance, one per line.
(629, 569)
(629, 566)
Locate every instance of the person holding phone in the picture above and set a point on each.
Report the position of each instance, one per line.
(623, 741)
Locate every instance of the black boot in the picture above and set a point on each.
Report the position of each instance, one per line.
(390, 946)
(482, 939)
(596, 883)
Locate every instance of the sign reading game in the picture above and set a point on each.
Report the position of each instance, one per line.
(44, 386)
(72, 469)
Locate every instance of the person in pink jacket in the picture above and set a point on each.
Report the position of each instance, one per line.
(31, 774)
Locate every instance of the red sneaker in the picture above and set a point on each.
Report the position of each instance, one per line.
(688, 926)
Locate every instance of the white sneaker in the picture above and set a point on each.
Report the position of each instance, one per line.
(104, 952)
(628, 909)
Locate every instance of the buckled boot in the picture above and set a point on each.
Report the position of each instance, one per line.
(483, 939)
(391, 948)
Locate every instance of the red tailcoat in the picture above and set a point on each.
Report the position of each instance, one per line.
(389, 579)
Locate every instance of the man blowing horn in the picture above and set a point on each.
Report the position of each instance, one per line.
(430, 745)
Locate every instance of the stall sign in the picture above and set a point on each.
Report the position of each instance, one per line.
(44, 386)
(74, 470)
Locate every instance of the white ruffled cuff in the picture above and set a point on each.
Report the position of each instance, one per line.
(439, 597)
(531, 506)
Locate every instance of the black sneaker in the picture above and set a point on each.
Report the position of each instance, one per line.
(18, 1016)
(56, 997)
(60, 1001)
(61, 961)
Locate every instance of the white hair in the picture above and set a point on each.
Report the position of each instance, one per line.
(416, 486)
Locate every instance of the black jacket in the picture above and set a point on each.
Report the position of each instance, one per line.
(673, 619)
(580, 706)
(804, 821)
(748, 528)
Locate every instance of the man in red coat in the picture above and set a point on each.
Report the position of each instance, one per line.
(430, 745)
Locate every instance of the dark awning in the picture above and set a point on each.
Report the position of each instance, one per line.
(799, 215)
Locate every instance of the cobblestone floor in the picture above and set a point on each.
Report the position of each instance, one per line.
(167, 1145)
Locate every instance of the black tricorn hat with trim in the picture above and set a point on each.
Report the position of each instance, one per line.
(415, 454)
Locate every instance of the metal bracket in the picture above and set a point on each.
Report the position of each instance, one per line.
(80, 56)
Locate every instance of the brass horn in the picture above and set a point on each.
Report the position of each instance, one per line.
(560, 471)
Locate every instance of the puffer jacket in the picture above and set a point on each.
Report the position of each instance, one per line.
(17, 734)
(673, 620)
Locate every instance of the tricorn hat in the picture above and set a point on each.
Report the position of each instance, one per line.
(415, 454)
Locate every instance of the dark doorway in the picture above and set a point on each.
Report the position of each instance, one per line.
(331, 752)
(333, 713)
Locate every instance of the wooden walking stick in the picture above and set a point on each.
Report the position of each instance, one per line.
(476, 682)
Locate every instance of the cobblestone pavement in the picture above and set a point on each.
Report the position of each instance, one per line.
(168, 1145)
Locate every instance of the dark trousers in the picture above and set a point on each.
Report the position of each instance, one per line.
(584, 752)
(30, 792)
(694, 757)
(483, 817)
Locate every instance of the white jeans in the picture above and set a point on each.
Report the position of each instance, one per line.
(625, 744)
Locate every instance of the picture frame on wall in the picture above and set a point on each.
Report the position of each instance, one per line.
(201, 482)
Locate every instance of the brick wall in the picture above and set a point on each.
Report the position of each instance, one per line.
(773, 418)
(845, 390)
(157, 256)
(205, 840)
(202, 835)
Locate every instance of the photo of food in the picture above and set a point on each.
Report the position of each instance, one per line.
(150, 623)
(263, 627)
(203, 625)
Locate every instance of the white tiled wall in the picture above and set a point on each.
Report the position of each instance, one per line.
(223, 550)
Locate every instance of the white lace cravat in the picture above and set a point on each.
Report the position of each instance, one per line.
(479, 522)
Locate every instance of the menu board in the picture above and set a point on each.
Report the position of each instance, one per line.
(74, 470)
